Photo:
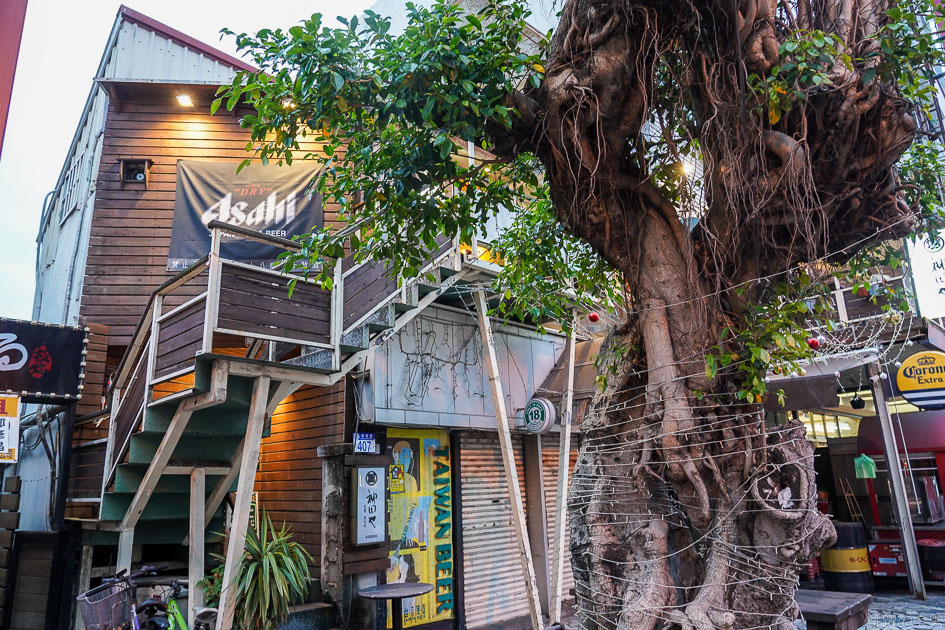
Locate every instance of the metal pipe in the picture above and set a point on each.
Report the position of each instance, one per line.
(894, 470)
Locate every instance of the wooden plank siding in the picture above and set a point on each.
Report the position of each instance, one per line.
(289, 478)
(88, 436)
(31, 593)
(131, 226)
(96, 379)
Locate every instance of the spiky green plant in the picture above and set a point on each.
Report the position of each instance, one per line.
(273, 573)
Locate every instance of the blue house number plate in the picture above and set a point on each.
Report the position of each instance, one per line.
(365, 443)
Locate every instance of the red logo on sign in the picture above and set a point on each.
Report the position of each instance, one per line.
(40, 362)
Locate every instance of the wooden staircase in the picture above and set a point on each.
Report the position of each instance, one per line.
(219, 346)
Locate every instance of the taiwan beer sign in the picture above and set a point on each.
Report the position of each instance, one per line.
(9, 429)
(41, 363)
(267, 199)
(921, 380)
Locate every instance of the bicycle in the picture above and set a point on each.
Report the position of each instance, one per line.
(112, 605)
(163, 613)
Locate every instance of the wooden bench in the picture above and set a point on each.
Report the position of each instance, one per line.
(823, 610)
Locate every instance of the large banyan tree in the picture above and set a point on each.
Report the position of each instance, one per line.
(706, 163)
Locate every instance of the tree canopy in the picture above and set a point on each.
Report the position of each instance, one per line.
(708, 164)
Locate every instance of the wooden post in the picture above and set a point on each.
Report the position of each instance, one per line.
(337, 314)
(564, 469)
(508, 460)
(213, 291)
(126, 540)
(198, 493)
(897, 485)
(85, 580)
(244, 496)
(334, 519)
(537, 517)
(153, 346)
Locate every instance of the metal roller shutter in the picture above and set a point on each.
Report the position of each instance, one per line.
(493, 582)
(549, 466)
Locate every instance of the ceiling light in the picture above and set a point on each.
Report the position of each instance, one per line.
(184, 100)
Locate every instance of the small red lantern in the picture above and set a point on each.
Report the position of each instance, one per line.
(593, 317)
(814, 343)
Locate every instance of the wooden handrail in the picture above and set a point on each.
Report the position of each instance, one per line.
(253, 235)
(144, 323)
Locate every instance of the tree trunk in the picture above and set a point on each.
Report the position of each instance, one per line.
(675, 515)
(686, 511)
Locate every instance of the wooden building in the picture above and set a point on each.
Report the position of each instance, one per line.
(202, 370)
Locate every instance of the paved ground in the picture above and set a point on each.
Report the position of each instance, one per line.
(901, 612)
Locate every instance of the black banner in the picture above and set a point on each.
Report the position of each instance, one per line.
(268, 199)
(43, 363)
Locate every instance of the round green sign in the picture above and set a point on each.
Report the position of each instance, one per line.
(539, 415)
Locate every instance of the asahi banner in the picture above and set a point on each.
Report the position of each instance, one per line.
(41, 363)
(268, 199)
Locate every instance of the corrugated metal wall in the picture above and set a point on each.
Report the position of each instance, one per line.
(549, 466)
(493, 582)
(140, 53)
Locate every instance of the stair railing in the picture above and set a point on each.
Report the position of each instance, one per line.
(246, 301)
(132, 385)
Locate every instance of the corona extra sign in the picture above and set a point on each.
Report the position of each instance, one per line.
(921, 380)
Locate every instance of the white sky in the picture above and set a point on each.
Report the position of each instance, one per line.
(62, 44)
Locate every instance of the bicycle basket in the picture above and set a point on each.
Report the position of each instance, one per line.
(106, 610)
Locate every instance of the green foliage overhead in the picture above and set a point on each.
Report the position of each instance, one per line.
(398, 114)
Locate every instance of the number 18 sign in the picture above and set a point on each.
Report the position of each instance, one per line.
(9, 428)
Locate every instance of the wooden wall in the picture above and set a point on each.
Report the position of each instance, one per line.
(31, 593)
(131, 227)
(289, 478)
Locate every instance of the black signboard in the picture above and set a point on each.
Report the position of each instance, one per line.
(42, 363)
(269, 199)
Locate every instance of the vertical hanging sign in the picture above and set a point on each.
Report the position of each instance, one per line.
(9, 428)
(370, 523)
(927, 259)
(421, 522)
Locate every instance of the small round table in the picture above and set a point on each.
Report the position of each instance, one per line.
(396, 594)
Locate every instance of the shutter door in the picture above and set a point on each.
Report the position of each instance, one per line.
(549, 465)
(493, 582)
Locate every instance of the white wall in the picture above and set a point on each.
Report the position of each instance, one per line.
(432, 373)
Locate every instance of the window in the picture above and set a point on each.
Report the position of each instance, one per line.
(71, 185)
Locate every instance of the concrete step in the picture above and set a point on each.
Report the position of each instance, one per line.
(318, 616)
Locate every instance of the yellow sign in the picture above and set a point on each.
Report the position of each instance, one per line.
(421, 521)
(849, 560)
(9, 428)
(396, 479)
(921, 379)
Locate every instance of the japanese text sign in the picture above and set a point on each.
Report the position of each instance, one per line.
(9, 428)
(370, 505)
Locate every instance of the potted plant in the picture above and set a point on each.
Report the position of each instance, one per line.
(273, 574)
